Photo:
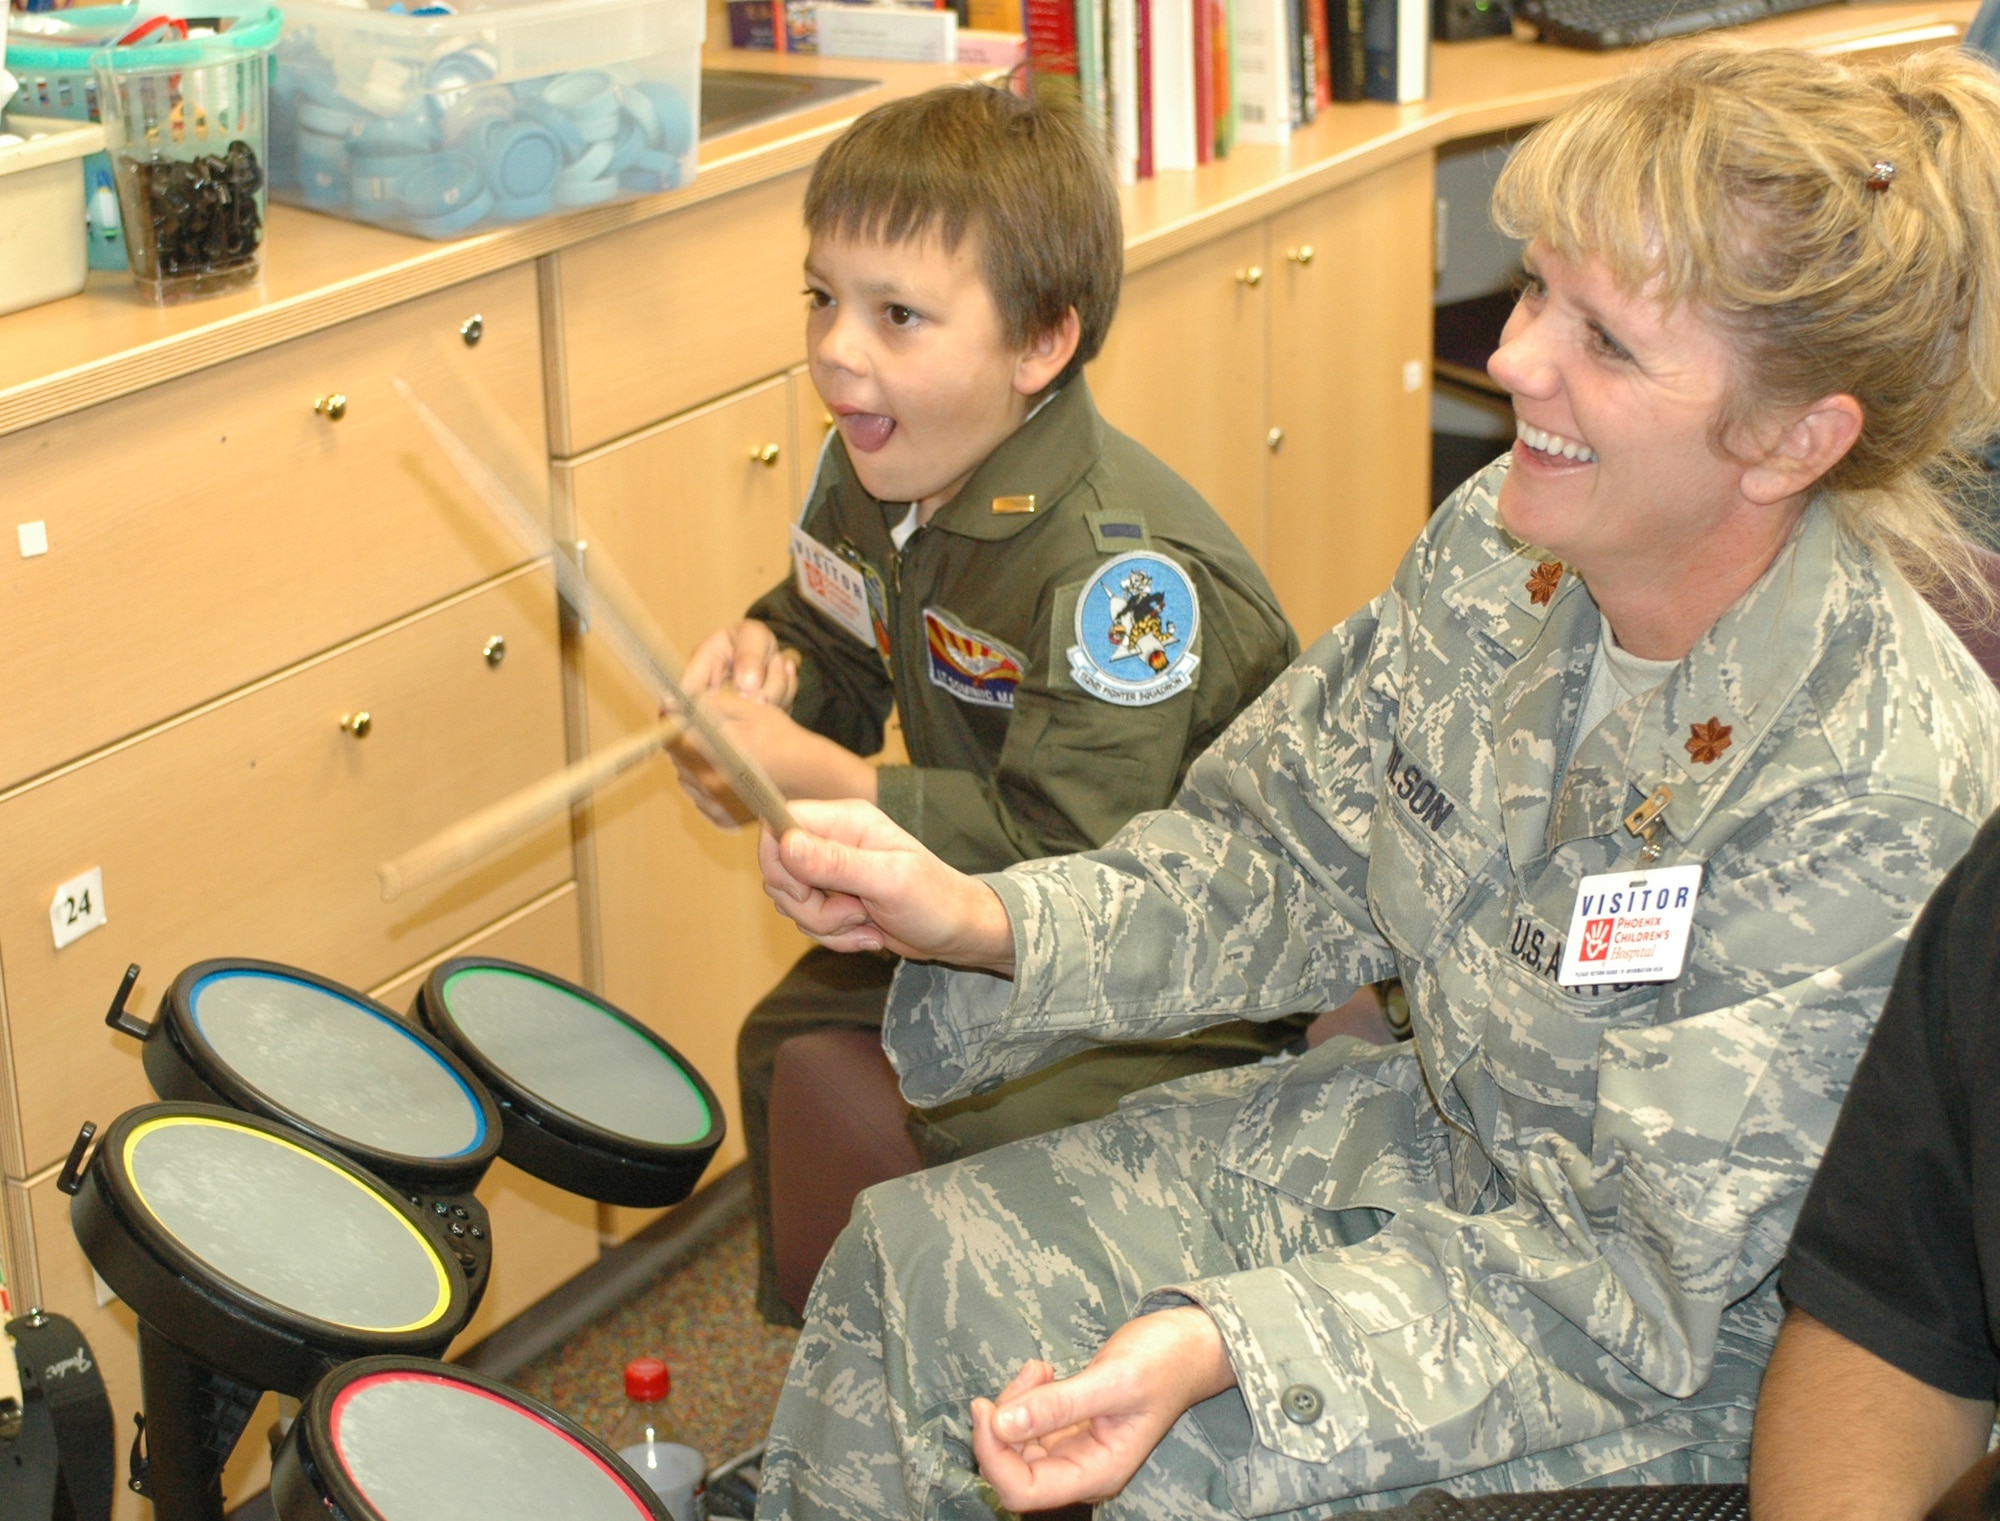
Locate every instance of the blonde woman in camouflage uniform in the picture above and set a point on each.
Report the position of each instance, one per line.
(1536, 1246)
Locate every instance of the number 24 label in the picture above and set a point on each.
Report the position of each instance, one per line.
(78, 907)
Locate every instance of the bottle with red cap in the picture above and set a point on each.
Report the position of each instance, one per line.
(647, 1437)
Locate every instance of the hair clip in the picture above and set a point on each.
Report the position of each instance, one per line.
(1880, 175)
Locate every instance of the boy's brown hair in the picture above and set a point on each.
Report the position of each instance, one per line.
(1026, 177)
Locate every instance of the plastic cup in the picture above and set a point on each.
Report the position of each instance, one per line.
(185, 123)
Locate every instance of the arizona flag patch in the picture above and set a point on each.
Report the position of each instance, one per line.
(970, 666)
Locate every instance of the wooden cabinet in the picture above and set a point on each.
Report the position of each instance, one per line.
(668, 315)
(205, 534)
(255, 827)
(1272, 368)
(1185, 371)
(697, 523)
(1349, 284)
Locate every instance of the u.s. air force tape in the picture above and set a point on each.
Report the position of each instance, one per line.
(1136, 623)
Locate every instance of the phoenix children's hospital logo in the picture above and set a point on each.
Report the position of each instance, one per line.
(1596, 944)
(1135, 631)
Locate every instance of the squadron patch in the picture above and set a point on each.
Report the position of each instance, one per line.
(971, 666)
(1136, 622)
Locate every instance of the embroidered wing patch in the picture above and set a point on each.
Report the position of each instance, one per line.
(969, 665)
(1136, 622)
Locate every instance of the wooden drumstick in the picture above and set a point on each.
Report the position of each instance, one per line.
(511, 817)
(612, 613)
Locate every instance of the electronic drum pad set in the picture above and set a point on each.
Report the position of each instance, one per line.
(297, 1215)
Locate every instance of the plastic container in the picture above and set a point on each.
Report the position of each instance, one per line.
(497, 112)
(41, 210)
(48, 53)
(184, 119)
(647, 1437)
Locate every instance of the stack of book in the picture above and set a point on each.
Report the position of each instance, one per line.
(1172, 84)
(1175, 83)
(886, 29)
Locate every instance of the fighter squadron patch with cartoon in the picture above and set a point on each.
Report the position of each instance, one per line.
(1136, 623)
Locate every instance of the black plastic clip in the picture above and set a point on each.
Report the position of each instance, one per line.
(70, 1179)
(118, 1019)
(139, 1464)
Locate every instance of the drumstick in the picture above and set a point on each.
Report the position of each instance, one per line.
(608, 609)
(511, 817)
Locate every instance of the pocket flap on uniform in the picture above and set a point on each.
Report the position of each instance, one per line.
(1338, 1130)
(1374, 1287)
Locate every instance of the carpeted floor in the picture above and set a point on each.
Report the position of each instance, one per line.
(697, 1316)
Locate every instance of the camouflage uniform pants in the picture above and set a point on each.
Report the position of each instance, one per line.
(826, 990)
(945, 1282)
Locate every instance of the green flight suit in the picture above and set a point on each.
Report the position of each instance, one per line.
(1031, 765)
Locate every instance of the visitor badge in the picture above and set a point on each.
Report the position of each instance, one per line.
(1630, 926)
(833, 586)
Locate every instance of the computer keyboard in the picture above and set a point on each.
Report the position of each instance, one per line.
(1600, 24)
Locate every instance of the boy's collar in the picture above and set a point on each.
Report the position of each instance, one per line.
(1042, 459)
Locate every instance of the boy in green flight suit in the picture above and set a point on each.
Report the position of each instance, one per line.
(1061, 621)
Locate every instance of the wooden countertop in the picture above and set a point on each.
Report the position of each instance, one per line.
(321, 270)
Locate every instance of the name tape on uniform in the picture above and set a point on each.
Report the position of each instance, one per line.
(833, 586)
(1630, 926)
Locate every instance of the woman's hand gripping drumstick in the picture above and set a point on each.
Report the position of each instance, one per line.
(511, 817)
(604, 605)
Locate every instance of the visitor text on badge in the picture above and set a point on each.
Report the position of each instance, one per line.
(1630, 926)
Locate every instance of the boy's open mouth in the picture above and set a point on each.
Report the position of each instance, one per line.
(866, 431)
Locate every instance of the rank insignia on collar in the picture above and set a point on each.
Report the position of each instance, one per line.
(1009, 506)
(1135, 631)
(1706, 742)
(1543, 581)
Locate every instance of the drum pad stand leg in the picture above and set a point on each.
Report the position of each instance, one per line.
(194, 1416)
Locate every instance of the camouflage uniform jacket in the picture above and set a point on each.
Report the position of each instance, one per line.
(1051, 768)
(1585, 1195)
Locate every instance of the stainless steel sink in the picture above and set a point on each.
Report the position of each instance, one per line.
(732, 99)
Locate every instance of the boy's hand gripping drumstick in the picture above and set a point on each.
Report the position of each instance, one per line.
(604, 605)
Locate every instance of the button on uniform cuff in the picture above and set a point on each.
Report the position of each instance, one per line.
(1298, 1402)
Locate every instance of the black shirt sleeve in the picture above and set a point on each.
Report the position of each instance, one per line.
(1898, 1242)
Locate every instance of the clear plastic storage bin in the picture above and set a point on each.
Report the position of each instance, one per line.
(441, 121)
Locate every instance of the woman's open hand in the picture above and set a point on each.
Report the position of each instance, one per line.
(1049, 1441)
(854, 881)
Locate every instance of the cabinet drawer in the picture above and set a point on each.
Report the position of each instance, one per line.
(671, 313)
(254, 828)
(206, 533)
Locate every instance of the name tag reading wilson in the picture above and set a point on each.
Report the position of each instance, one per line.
(1630, 926)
